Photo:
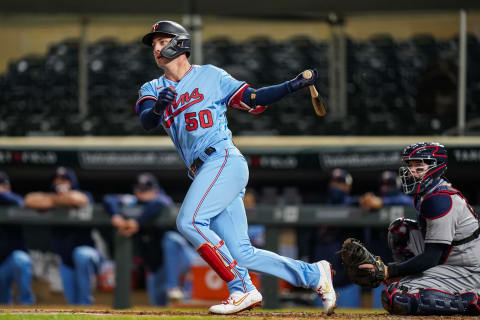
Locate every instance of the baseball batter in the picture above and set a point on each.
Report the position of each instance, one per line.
(189, 102)
(437, 268)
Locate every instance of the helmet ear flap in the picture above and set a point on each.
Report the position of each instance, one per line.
(178, 45)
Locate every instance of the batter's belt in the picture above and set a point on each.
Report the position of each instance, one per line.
(197, 163)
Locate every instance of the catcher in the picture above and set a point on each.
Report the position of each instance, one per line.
(437, 258)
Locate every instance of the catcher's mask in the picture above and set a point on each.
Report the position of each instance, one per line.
(431, 154)
(179, 44)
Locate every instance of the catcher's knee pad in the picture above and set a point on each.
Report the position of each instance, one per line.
(433, 301)
(397, 301)
(405, 239)
(216, 261)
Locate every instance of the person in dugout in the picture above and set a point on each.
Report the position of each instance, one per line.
(166, 254)
(15, 263)
(80, 260)
(389, 194)
(328, 239)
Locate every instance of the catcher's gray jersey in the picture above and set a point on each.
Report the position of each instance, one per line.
(445, 217)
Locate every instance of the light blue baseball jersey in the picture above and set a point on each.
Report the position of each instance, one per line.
(196, 119)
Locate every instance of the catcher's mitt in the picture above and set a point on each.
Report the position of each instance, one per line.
(355, 254)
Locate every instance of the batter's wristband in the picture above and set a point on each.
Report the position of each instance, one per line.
(392, 270)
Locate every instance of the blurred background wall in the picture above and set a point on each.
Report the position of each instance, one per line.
(23, 34)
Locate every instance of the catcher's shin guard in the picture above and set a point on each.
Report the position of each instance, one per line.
(210, 254)
(433, 301)
(430, 302)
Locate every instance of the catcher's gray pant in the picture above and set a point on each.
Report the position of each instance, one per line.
(453, 279)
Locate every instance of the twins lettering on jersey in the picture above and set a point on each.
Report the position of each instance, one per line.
(183, 102)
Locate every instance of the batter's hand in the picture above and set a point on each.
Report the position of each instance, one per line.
(300, 82)
(165, 97)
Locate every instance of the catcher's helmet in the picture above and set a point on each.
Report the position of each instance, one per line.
(178, 45)
(431, 153)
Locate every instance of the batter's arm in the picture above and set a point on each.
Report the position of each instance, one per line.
(256, 100)
(149, 119)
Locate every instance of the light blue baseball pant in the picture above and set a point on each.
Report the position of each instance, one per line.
(17, 268)
(213, 211)
(76, 281)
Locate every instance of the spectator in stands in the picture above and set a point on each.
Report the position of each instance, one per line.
(167, 255)
(80, 260)
(15, 263)
(389, 193)
(328, 240)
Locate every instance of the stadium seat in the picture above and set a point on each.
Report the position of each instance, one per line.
(387, 85)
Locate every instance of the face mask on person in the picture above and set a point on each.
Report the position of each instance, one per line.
(62, 187)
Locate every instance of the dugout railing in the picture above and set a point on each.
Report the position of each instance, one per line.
(273, 218)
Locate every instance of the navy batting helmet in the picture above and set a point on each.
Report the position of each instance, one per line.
(431, 153)
(178, 45)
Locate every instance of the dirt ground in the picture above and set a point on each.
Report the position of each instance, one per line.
(262, 314)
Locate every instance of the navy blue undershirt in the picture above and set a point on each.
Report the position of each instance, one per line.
(267, 95)
(430, 258)
(148, 118)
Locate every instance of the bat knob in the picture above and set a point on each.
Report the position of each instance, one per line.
(307, 74)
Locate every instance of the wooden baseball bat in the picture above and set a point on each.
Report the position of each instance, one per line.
(317, 100)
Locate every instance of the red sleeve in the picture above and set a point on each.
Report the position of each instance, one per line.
(236, 102)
